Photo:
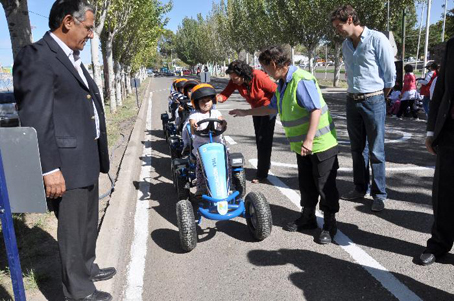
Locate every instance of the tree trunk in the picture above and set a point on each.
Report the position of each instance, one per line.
(128, 80)
(123, 82)
(95, 65)
(310, 54)
(105, 72)
(118, 83)
(110, 68)
(337, 52)
(16, 12)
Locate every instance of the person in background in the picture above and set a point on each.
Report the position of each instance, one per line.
(426, 82)
(371, 74)
(409, 94)
(257, 88)
(394, 101)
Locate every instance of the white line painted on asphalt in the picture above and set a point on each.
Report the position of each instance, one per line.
(379, 272)
(348, 169)
(405, 135)
(230, 140)
(136, 268)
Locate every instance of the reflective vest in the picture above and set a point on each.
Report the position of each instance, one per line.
(295, 119)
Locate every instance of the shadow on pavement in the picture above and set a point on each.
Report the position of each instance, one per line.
(323, 277)
(413, 220)
(38, 252)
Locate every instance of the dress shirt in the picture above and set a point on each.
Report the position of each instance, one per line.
(370, 67)
(307, 94)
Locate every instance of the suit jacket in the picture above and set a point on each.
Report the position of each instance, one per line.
(440, 105)
(53, 99)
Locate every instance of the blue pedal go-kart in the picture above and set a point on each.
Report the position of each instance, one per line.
(220, 203)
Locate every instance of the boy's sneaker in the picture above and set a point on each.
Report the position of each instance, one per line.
(353, 195)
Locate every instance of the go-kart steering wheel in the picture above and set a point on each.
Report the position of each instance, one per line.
(211, 127)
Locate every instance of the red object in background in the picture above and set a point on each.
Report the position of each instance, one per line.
(186, 72)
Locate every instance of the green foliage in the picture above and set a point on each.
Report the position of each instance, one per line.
(136, 26)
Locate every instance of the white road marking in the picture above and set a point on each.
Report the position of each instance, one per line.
(230, 140)
(136, 268)
(405, 136)
(348, 169)
(379, 272)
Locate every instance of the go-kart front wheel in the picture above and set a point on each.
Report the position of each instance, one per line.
(258, 215)
(186, 225)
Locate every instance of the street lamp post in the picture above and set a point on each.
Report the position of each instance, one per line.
(426, 46)
(444, 22)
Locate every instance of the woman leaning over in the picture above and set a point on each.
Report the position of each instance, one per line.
(257, 88)
(310, 130)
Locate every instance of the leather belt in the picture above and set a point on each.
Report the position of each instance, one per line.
(363, 96)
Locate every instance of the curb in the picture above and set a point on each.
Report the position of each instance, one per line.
(112, 243)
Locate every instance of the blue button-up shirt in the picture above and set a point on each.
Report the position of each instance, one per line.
(370, 67)
(307, 94)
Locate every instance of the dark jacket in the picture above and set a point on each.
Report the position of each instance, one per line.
(53, 99)
(440, 105)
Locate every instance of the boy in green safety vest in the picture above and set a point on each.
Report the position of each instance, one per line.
(310, 130)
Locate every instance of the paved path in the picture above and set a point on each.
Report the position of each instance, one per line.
(371, 260)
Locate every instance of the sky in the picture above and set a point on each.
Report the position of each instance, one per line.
(39, 10)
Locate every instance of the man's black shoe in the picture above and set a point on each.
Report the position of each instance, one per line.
(104, 274)
(427, 259)
(96, 296)
(306, 221)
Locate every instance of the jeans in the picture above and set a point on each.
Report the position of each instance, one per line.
(366, 120)
(425, 104)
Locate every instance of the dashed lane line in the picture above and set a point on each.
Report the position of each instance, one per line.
(379, 272)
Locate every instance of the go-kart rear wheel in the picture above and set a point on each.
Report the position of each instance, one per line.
(239, 183)
(258, 215)
(183, 192)
(186, 225)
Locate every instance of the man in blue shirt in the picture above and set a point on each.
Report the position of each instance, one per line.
(371, 74)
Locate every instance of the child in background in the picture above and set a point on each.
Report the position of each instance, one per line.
(394, 101)
(203, 97)
(408, 93)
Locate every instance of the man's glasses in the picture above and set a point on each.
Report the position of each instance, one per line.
(89, 29)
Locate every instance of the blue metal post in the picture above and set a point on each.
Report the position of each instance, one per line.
(10, 238)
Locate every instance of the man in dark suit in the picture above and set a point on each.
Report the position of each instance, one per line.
(57, 97)
(440, 142)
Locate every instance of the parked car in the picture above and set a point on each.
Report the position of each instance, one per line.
(186, 72)
(8, 110)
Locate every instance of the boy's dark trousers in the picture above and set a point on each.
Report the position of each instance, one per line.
(317, 177)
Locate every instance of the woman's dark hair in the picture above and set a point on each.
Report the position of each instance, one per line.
(343, 12)
(274, 54)
(241, 69)
(408, 68)
(61, 8)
